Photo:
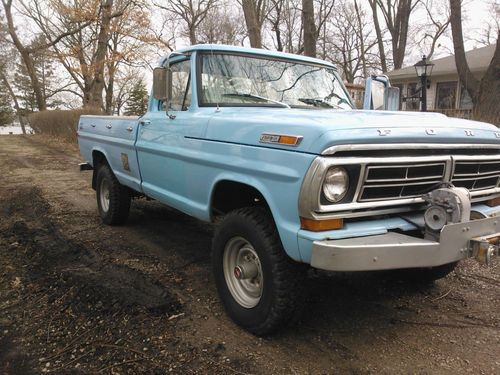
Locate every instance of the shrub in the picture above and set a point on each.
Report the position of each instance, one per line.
(59, 123)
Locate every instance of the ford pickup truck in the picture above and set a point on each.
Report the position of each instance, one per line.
(270, 147)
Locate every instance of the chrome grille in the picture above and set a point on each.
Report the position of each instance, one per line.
(383, 181)
(476, 175)
(381, 172)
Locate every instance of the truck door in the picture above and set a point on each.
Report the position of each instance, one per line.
(165, 147)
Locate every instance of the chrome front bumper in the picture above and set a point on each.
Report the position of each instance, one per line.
(478, 238)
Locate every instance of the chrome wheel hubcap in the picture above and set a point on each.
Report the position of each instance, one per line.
(243, 272)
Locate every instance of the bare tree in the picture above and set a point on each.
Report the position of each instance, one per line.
(255, 12)
(310, 32)
(378, 30)
(128, 44)
(361, 35)
(438, 21)
(485, 93)
(349, 41)
(314, 17)
(285, 19)
(223, 24)
(7, 57)
(124, 81)
(92, 54)
(26, 52)
(488, 32)
(103, 37)
(396, 15)
(191, 12)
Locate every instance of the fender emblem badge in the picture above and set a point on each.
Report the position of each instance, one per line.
(430, 131)
(282, 139)
(384, 132)
(497, 134)
(469, 133)
(125, 163)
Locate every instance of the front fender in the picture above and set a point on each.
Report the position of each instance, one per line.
(286, 218)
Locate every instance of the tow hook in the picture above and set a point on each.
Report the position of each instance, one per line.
(483, 249)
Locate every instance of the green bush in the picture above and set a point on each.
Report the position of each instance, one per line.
(59, 123)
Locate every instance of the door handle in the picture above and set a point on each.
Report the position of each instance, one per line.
(109, 126)
(130, 128)
(145, 122)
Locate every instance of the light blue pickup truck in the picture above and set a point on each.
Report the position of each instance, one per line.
(270, 147)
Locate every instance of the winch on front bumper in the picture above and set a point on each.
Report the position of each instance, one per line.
(445, 240)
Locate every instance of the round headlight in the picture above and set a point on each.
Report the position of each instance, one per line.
(336, 184)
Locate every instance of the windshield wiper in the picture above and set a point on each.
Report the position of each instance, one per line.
(261, 98)
(341, 99)
(318, 103)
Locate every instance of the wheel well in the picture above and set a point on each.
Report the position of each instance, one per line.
(230, 195)
(98, 159)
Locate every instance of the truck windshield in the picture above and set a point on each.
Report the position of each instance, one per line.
(236, 80)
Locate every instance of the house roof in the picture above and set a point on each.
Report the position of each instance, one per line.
(479, 59)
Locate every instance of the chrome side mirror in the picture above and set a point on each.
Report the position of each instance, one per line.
(162, 84)
(380, 95)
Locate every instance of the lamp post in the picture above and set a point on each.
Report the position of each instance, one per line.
(424, 70)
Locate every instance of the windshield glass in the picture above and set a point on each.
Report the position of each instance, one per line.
(236, 80)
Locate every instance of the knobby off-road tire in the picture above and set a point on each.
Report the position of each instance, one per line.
(113, 199)
(273, 296)
(426, 275)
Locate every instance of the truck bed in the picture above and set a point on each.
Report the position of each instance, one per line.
(114, 137)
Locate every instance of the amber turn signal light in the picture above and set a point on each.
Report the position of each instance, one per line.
(288, 140)
(493, 202)
(321, 225)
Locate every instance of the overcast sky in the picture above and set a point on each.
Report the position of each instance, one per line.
(476, 14)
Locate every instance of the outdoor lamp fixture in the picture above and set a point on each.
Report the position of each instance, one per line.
(424, 70)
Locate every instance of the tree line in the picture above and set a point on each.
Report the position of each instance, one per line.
(93, 53)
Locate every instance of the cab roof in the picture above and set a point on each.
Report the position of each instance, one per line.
(250, 51)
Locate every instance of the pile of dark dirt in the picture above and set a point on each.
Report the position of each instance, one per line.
(61, 264)
(94, 306)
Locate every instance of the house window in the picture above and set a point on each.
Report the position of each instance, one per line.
(446, 95)
(465, 99)
(412, 97)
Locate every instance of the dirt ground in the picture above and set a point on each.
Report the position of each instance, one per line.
(78, 297)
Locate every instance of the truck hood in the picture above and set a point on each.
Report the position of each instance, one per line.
(321, 129)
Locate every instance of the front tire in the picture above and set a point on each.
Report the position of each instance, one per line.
(258, 284)
(113, 199)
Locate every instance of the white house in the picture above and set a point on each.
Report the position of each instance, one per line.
(446, 93)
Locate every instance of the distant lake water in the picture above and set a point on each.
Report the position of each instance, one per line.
(6, 130)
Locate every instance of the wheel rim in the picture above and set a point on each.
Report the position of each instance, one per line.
(104, 195)
(243, 272)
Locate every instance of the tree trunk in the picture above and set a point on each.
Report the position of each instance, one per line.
(95, 97)
(470, 82)
(14, 99)
(485, 93)
(488, 97)
(361, 40)
(378, 31)
(309, 28)
(109, 95)
(403, 19)
(26, 57)
(192, 34)
(253, 25)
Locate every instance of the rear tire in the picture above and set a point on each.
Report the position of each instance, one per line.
(268, 294)
(113, 199)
